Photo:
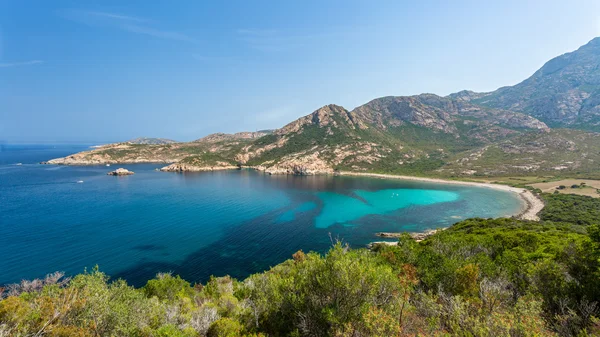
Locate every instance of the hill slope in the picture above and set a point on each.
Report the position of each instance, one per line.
(151, 141)
(564, 92)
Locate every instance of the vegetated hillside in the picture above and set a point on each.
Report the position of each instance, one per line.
(217, 137)
(462, 120)
(391, 134)
(147, 153)
(564, 92)
(329, 138)
(481, 277)
(558, 152)
(151, 141)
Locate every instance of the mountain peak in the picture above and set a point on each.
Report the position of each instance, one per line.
(595, 42)
(330, 115)
(564, 92)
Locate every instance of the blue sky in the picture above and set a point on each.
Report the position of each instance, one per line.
(97, 71)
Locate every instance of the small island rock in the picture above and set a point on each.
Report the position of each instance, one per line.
(120, 172)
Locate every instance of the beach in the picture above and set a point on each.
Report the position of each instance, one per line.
(532, 204)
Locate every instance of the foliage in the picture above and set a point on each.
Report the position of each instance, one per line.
(167, 287)
(578, 209)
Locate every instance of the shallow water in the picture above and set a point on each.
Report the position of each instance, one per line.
(202, 224)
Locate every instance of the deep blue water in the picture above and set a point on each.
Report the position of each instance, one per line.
(201, 224)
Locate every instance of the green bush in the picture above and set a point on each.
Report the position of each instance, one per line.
(575, 209)
(225, 327)
(168, 287)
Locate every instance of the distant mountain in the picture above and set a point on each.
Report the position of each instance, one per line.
(511, 131)
(216, 137)
(151, 141)
(453, 116)
(565, 92)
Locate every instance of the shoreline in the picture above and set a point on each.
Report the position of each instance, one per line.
(532, 204)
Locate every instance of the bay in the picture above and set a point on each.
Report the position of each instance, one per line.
(202, 224)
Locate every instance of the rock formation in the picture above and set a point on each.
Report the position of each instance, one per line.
(120, 172)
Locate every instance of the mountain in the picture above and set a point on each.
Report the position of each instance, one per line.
(217, 137)
(151, 141)
(565, 92)
(456, 117)
(557, 152)
(316, 143)
(511, 131)
(403, 134)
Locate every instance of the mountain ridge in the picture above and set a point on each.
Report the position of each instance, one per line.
(564, 92)
(462, 134)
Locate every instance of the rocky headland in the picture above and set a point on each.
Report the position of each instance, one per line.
(184, 167)
(417, 236)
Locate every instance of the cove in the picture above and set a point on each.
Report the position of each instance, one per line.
(340, 208)
(202, 224)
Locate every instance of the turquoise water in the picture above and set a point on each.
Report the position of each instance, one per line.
(202, 224)
(344, 209)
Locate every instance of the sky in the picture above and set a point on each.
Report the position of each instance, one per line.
(112, 70)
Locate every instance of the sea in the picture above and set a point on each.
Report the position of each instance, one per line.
(73, 218)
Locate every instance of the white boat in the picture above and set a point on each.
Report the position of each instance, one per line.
(107, 164)
(19, 164)
(80, 181)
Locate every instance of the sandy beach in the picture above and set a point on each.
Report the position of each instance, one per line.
(532, 205)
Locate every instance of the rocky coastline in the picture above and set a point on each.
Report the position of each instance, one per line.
(417, 236)
(183, 167)
(304, 166)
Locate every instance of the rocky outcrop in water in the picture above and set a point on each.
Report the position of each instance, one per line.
(120, 172)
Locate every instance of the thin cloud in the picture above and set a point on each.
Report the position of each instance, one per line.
(161, 34)
(127, 23)
(19, 64)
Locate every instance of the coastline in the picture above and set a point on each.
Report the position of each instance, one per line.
(532, 204)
